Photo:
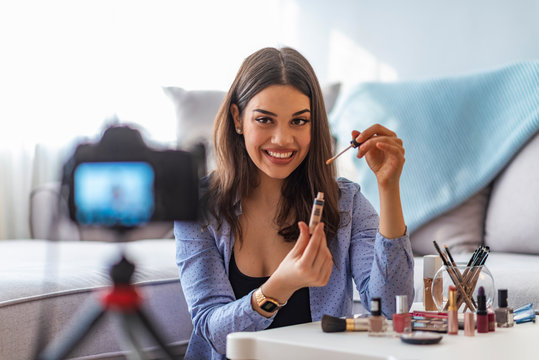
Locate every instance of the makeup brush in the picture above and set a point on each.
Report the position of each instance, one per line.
(353, 144)
(335, 324)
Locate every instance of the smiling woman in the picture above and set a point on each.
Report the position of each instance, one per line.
(252, 263)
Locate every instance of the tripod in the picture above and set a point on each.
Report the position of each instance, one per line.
(124, 301)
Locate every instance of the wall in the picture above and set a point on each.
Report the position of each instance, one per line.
(68, 65)
(416, 39)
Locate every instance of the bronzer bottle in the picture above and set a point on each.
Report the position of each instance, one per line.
(431, 288)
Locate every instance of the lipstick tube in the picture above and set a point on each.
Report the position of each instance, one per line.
(482, 313)
(452, 315)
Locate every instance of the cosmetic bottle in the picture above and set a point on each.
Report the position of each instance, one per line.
(431, 264)
(491, 319)
(377, 321)
(469, 324)
(504, 314)
(316, 212)
(402, 319)
(482, 314)
(452, 314)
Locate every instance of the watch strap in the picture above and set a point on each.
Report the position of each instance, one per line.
(262, 299)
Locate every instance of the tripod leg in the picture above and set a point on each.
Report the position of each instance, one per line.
(73, 334)
(150, 328)
(128, 324)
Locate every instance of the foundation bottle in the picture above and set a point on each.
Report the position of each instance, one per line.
(431, 264)
(504, 314)
(402, 319)
(377, 321)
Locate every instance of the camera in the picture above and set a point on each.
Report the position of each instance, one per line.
(119, 182)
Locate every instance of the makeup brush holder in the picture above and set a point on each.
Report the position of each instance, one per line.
(471, 278)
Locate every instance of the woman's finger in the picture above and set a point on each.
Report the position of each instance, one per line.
(303, 239)
(371, 143)
(373, 130)
(313, 247)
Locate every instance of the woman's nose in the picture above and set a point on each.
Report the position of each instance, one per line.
(282, 136)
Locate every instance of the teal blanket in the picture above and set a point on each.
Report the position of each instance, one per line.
(458, 132)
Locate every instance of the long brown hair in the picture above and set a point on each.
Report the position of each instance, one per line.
(236, 174)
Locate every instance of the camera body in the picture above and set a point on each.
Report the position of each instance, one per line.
(121, 183)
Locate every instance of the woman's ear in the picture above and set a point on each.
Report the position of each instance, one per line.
(235, 112)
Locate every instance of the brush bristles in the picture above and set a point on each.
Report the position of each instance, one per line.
(333, 324)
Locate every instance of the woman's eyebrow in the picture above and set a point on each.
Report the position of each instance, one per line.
(273, 114)
(301, 112)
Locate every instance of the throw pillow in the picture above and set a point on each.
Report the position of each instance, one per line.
(460, 228)
(512, 222)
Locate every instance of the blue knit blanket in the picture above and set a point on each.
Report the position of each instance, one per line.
(458, 132)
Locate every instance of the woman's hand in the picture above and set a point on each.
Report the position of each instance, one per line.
(383, 152)
(309, 263)
(385, 155)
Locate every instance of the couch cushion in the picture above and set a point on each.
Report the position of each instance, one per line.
(512, 222)
(461, 228)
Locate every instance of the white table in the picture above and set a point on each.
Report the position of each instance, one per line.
(308, 341)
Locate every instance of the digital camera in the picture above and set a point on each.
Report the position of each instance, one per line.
(119, 182)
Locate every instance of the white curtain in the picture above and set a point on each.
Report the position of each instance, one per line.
(69, 65)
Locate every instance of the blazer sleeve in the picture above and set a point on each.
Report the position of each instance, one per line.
(381, 267)
(215, 312)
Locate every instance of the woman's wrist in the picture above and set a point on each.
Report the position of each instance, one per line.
(392, 223)
(273, 291)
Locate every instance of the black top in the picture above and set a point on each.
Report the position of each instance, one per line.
(296, 311)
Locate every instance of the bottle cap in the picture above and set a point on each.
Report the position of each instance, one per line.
(401, 304)
(502, 298)
(431, 264)
(376, 306)
(469, 324)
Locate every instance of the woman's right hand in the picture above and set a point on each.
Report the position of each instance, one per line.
(309, 263)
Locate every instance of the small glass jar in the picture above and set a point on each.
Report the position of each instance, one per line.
(473, 277)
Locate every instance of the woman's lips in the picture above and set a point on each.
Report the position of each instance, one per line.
(279, 157)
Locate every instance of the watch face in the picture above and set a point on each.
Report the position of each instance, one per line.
(268, 306)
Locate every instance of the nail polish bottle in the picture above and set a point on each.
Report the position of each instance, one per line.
(377, 321)
(452, 313)
(482, 314)
(431, 264)
(504, 314)
(402, 319)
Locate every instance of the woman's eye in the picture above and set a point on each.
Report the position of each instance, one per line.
(263, 120)
(300, 122)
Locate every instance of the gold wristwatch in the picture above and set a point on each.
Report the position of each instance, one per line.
(266, 303)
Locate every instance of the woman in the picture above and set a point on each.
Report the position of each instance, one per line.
(251, 264)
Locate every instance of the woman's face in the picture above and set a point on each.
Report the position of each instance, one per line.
(276, 125)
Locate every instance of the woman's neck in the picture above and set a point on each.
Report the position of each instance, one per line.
(268, 192)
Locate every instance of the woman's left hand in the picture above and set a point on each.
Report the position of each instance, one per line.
(383, 152)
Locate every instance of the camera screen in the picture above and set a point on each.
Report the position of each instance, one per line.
(114, 193)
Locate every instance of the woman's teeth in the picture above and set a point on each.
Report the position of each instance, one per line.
(280, 155)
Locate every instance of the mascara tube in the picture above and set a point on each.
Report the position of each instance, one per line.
(316, 213)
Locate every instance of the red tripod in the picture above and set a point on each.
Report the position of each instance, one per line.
(122, 300)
